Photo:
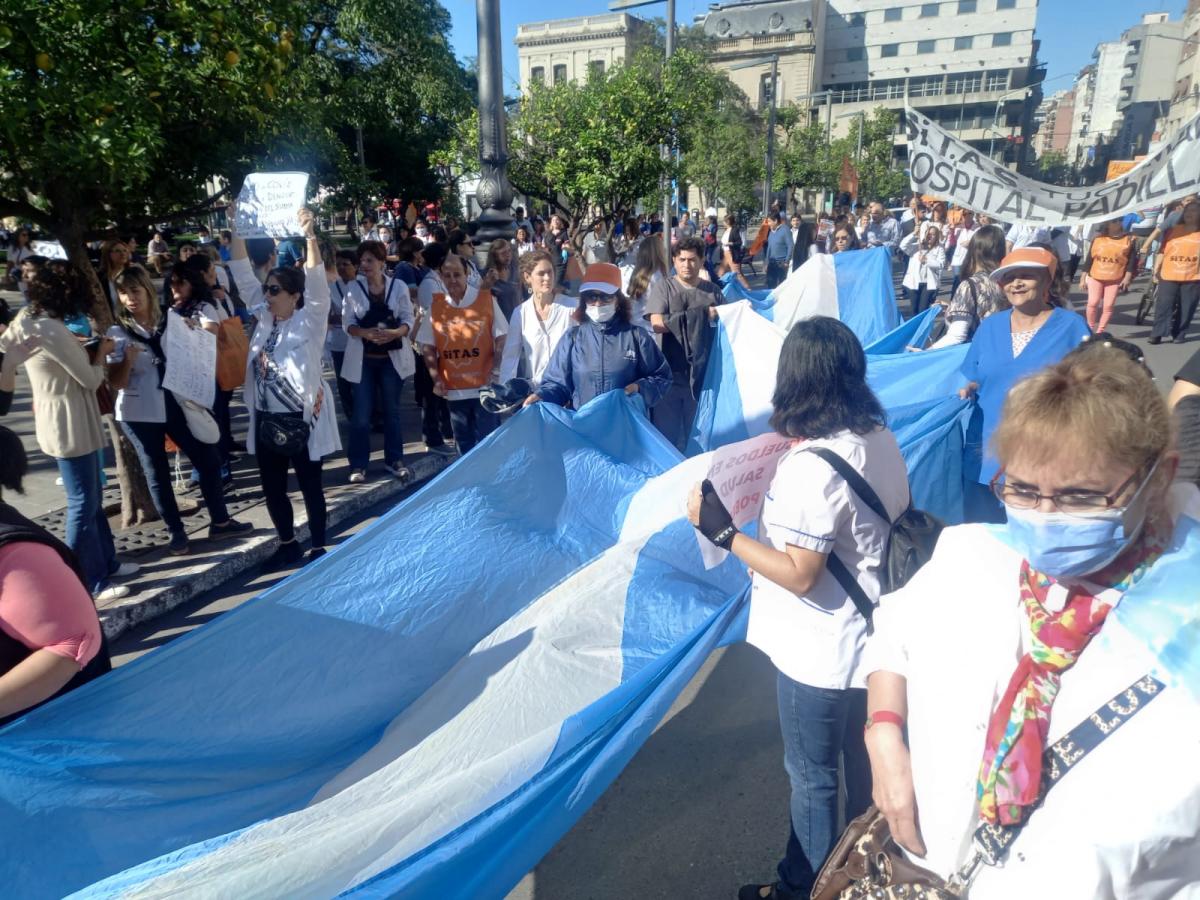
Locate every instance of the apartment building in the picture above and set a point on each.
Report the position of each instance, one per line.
(1185, 94)
(568, 49)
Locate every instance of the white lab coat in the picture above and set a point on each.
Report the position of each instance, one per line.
(355, 306)
(922, 274)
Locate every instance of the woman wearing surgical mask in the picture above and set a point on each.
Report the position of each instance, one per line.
(607, 352)
(1040, 679)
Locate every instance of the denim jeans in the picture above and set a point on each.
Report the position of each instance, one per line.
(147, 439)
(777, 272)
(820, 727)
(345, 389)
(378, 375)
(471, 423)
(922, 298)
(88, 533)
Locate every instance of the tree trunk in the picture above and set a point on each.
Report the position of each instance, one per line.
(136, 505)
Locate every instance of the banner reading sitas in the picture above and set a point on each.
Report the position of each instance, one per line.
(941, 164)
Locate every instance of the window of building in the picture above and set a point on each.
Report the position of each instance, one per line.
(997, 81)
(857, 20)
(537, 75)
(855, 54)
(560, 74)
(926, 46)
(1003, 39)
(893, 14)
(764, 90)
(892, 89)
(964, 43)
(929, 86)
(1135, 47)
(964, 83)
(596, 67)
(966, 6)
(888, 50)
(929, 10)
(1006, 4)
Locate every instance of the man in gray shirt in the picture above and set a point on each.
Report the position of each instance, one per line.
(883, 230)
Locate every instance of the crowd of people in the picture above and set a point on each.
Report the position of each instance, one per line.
(1071, 458)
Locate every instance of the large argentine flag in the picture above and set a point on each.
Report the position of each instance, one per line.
(855, 286)
(422, 713)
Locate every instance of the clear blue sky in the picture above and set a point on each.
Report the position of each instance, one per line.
(1068, 29)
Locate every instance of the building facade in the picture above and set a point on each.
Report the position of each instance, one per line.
(1185, 94)
(568, 49)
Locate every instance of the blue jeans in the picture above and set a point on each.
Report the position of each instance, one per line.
(820, 726)
(470, 422)
(148, 440)
(922, 298)
(88, 533)
(377, 375)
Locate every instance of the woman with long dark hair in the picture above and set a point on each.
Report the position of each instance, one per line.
(800, 615)
(978, 295)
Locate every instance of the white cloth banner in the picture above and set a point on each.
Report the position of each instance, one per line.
(268, 202)
(943, 166)
(191, 361)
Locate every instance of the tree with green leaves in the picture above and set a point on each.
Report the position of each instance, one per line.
(878, 176)
(805, 160)
(1053, 168)
(725, 161)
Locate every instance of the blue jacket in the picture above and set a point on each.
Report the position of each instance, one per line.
(593, 359)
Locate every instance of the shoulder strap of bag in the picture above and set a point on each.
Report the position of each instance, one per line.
(992, 842)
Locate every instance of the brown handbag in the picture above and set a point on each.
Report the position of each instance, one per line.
(232, 352)
(867, 863)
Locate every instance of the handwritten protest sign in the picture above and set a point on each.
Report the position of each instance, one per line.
(741, 474)
(191, 361)
(941, 164)
(48, 249)
(267, 203)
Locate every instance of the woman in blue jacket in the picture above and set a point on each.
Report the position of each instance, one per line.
(607, 352)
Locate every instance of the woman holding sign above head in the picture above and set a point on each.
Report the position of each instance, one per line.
(292, 421)
(1177, 271)
(149, 414)
(813, 524)
(1108, 268)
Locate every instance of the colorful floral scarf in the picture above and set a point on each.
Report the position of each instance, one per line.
(1010, 777)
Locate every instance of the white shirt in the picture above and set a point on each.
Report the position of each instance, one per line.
(425, 330)
(817, 640)
(927, 273)
(963, 243)
(1024, 235)
(534, 338)
(1124, 822)
(142, 399)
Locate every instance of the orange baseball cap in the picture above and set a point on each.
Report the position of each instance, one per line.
(1027, 258)
(602, 277)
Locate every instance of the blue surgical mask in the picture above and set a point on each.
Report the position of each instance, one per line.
(1070, 545)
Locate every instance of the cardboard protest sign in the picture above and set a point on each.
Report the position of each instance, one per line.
(741, 474)
(267, 204)
(941, 164)
(191, 361)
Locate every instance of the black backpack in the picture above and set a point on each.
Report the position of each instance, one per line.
(910, 542)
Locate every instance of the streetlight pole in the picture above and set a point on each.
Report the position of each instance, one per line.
(769, 185)
(494, 192)
(996, 117)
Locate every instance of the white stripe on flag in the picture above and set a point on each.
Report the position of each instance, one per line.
(809, 291)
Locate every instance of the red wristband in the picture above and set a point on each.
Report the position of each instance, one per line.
(883, 716)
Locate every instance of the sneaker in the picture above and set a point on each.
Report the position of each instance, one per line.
(400, 471)
(112, 592)
(125, 570)
(442, 450)
(1179, 339)
(358, 476)
(285, 555)
(178, 545)
(314, 553)
(229, 528)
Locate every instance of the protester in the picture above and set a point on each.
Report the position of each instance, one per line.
(595, 244)
(731, 241)
(538, 324)
(222, 310)
(780, 245)
(435, 420)
(539, 233)
(114, 257)
(18, 251)
(978, 295)
(1008, 345)
(291, 418)
(462, 339)
(223, 246)
(681, 310)
(686, 227)
(501, 274)
(802, 241)
(651, 268)
(844, 239)
(149, 414)
(460, 243)
(800, 615)
(926, 259)
(377, 317)
(158, 253)
(524, 243)
(963, 233)
(974, 709)
(881, 230)
(346, 270)
(51, 641)
(915, 221)
(557, 243)
(63, 378)
(606, 352)
(713, 251)
(1177, 271)
(1108, 269)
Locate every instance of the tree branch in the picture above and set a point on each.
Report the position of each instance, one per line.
(10, 206)
(149, 221)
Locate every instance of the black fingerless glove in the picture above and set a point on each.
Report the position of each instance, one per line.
(715, 522)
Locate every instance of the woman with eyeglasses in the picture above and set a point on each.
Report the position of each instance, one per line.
(292, 420)
(1032, 689)
(843, 239)
(606, 352)
(1008, 345)
(462, 244)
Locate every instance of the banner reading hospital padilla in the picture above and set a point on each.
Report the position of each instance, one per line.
(941, 164)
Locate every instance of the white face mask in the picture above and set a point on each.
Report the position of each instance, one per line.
(601, 313)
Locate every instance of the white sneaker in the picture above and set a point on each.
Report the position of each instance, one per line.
(358, 476)
(112, 592)
(125, 570)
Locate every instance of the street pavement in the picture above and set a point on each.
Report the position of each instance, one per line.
(702, 807)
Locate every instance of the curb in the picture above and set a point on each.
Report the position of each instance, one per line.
(188, 582)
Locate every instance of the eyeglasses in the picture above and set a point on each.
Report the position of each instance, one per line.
(1078, 502)
(595, 297)
(274, 289)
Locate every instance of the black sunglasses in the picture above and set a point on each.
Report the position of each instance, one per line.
(274, 289)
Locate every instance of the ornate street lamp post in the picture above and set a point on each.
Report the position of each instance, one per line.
(494, 194)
